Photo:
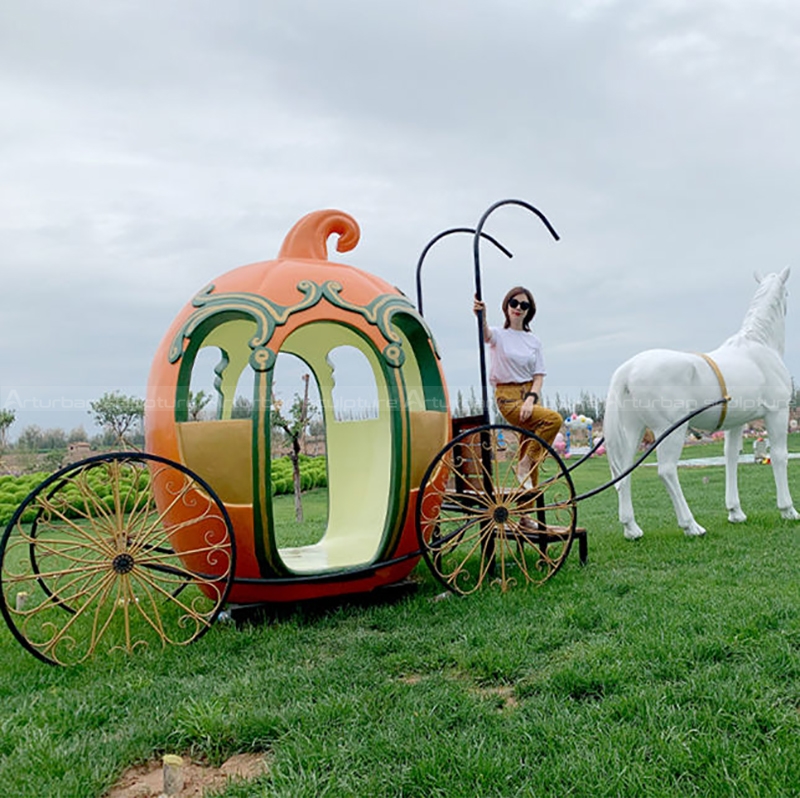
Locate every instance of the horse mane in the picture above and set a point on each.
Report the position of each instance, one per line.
(764, 322)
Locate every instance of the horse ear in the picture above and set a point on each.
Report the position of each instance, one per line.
(784, 275)
(759, 277)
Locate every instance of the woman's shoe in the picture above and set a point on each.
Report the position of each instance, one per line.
(524, 474)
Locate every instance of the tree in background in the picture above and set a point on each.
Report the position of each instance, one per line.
(294, 428)
(197, 403)
(31, 438)
(77, 435)
(118, 414)
(473, 407)
(242, 407)
(7, 418)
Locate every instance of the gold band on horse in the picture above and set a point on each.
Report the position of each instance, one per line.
(721, 380)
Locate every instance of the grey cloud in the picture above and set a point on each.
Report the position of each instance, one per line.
(150, 148)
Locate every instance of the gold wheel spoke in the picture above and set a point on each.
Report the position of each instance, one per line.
(517, 550)
(501, 542)
(479, 539)
(22, 579)
(139, 543)
(71, 525)
(51, 549)
(452, 539)
(138, 511)
(97, 634)
(127, 599)
(105, 585)
(178, 575)
(485, 563)
(156, 624)
(145, 578)
(466, 501)
(170, 565)
(453, 519)
(64, 549)
(88, 493)
(79, 586)
(163, 514)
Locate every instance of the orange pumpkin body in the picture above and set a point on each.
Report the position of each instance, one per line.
(305, 305)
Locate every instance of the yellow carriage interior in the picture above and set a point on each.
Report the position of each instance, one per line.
(374, 458)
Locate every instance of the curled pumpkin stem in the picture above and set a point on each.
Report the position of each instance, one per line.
(309, 236)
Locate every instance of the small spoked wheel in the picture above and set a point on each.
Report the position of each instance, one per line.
(118, 552)
(497, 506)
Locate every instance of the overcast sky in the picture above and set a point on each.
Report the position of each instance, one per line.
(149, 147)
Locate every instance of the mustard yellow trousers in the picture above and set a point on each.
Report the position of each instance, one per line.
(542, 422)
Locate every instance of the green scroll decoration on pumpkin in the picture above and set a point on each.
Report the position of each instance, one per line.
(268, 315)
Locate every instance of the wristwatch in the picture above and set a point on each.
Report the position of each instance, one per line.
(534, 395)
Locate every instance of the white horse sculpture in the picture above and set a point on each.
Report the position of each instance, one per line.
(657, 388)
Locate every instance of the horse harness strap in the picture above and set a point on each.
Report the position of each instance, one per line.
(724, 388)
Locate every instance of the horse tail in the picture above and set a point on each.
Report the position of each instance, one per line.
(623, 426)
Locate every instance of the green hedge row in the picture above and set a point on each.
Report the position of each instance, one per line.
(313, 474)
(72, 502)
(13, 490)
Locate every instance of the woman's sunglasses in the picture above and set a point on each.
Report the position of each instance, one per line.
(513, 303)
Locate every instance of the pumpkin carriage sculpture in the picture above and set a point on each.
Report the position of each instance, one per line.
(132, 549)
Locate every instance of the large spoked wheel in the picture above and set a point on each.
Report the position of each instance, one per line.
(496, 505)
(118, 552)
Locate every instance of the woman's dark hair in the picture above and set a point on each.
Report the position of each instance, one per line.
(531, 310)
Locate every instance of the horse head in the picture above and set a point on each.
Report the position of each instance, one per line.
(764, 321)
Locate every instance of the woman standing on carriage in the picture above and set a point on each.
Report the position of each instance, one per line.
(517, 372)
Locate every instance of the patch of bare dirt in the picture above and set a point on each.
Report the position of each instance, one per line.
(503, 693)
(147, 781)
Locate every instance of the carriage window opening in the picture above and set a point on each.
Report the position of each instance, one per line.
(204, 400)
(239, 395)
(294, 384)
(355, 393)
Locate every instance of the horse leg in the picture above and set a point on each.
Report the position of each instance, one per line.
(733, 445)
(777, 424)
(631, 529)
(621, 443)
(669, 452)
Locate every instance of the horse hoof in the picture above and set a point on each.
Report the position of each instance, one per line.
(694, 531)
(790, 514)
(736, 517)
(633, 534)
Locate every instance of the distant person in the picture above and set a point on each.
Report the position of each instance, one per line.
(517, 372)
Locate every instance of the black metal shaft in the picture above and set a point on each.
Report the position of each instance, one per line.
(476, 252)
(439, 236)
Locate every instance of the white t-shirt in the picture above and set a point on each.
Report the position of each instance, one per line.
(516, 356)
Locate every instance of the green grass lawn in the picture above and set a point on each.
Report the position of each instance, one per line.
(665, 667)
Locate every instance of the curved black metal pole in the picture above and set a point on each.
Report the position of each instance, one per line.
(442, 235)
(648, 451)
(476, 252)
